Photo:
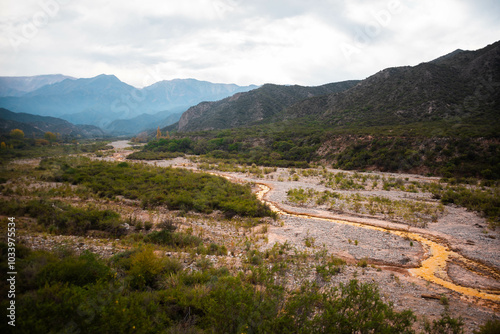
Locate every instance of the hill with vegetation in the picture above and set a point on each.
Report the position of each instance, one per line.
(255, 106)
(36, 126)
(459, 89)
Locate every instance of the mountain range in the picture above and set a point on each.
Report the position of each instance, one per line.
(105, 99)
(462, 87)
(18, 86)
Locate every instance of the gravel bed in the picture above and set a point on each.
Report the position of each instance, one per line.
(350, 241)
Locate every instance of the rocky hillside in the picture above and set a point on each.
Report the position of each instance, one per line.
(460, 87)
(258, 105)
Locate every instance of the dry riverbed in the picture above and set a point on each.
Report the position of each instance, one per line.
(373, 251)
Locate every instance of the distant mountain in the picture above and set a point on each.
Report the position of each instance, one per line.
(142, 123)
(169, 94)
(95, 96)
(34, 125)
(258, 105)
(104, 99)
(17, 86)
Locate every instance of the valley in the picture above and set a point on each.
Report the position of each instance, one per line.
(446, 265)
(356, 206)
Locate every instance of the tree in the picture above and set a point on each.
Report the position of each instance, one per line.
(17, 134)
(3, 146)
(50, 136)
(158, 133)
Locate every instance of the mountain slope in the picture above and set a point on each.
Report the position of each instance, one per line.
(248, 108)
(459, 87)
(37, 125)
(169, 94)
(142, 123)
(100, 95)
(17, 86)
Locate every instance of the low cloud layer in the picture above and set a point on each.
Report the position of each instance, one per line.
(234, 41)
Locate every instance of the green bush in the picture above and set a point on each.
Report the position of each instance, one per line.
(145, 269)
(446, 324)
(486, 201)
(235, 307)
(490, 327)
(352, 308)
(83, 270)
(64, 218)
(178, 189)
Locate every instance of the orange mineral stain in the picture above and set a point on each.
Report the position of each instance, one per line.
(432, 269)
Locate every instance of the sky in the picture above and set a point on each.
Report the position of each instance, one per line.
(305, 42)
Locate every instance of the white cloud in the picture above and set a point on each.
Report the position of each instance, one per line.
(292, 41)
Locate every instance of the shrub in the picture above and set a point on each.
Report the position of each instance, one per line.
(446, 324)
(235, 307)
(83, 270)
(355, 307)
(178, 189)
(490, 327)
(65, 218)
(363, 263)
(145, 269)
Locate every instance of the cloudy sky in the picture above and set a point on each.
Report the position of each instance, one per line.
(306, 42)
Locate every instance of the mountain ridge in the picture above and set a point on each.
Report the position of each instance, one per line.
(460, 87)
(103, 99)
(37, 125)
(251, 107)
(20, 85)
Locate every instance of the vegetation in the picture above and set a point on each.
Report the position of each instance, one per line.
(485, 200)
(425, 148)
(490, 327)
(58, 217)
(16, 146)
(167, 237)
(410, 212)
(146, 155)
(138, 291)
(177, 189)
(144, 290)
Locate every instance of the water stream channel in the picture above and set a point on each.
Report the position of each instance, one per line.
(431, 269)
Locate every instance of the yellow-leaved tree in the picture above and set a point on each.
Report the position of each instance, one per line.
(17, 134)
(50, 136)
